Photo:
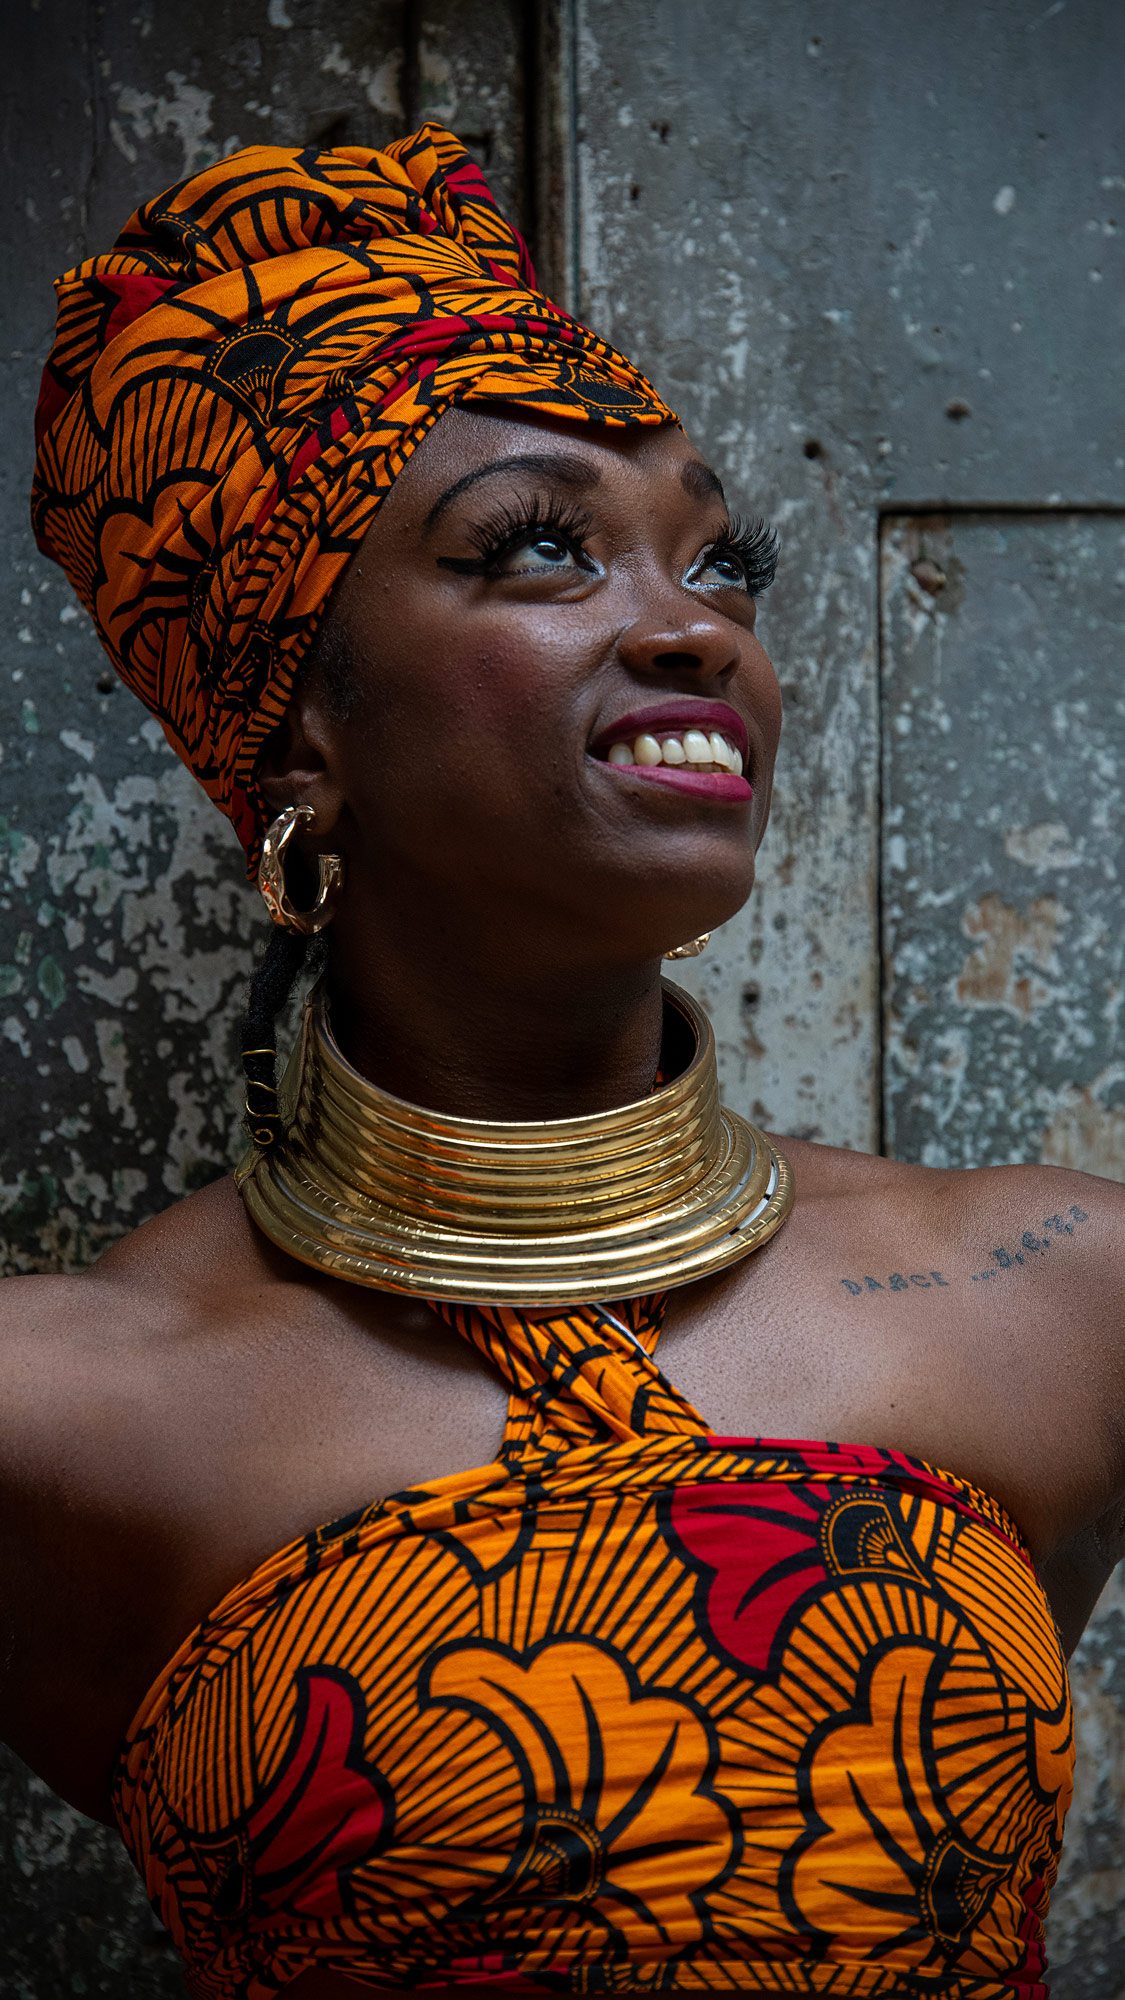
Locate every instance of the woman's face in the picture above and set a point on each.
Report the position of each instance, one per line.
(531, 597)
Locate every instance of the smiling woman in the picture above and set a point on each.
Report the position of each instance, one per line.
(475, 746)
(460, 1647)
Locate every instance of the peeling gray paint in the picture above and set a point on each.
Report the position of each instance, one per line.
(1004, 904)
(470, 78)
(690, 262)
(73, 1915)
(127, 932)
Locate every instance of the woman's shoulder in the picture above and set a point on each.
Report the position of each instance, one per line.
(973, 1318)
(170, 1418)
(197, 1244)
(66, 1335)
(87, 1358)
(1030, 1258)
(107, 1447)
(993, 1221)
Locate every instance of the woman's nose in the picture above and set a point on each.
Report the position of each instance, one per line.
(700, 646)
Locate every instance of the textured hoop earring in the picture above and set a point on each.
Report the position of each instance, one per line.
(692, 949)
(271, 876)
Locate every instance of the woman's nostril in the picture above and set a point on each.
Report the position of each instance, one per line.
(699, 648)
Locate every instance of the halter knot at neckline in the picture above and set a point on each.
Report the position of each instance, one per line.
(579, 1375)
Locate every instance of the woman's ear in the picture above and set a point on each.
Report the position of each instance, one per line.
(298, 765)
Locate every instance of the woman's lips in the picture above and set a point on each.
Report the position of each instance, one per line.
(672, 716)
(686, 744)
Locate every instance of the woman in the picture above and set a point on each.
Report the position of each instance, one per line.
(609, 1690)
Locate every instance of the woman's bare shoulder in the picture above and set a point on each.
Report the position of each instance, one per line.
(1037, 1240)
(963, 1195)
(90, 1368)
(1013, 1276)
(188, 1406)
(203, 1240)
(87, 1359)
(145, 1280)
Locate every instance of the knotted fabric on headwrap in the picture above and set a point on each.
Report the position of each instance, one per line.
(234, 388)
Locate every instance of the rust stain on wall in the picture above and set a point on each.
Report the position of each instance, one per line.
(1006, 943)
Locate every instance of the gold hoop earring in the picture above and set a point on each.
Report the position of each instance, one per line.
(691, 949)
(271, 876)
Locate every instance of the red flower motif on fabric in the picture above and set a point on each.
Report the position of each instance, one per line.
(760, 1552)
(326, 1811)
(756, 1550)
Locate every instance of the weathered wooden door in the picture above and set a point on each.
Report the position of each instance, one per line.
(872, 254)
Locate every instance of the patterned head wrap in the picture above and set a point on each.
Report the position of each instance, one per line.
(234, 387)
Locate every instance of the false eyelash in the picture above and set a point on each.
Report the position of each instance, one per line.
(753, 544)
(504, 529)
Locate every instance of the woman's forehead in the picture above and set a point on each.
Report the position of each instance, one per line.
(548, 451)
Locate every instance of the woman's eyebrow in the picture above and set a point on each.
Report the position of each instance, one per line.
(698, 479)
(563, 467)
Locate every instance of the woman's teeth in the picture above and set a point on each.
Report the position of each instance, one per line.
(703, 752)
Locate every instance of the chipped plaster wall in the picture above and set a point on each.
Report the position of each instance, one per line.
(1003, 887)
(877, 271)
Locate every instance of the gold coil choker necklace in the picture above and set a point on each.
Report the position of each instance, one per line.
(607, 1206)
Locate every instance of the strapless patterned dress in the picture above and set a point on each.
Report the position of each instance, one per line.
(631, 1708)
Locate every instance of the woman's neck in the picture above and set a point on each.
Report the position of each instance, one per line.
(487, 1040)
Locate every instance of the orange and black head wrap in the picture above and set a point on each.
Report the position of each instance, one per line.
(234, 387)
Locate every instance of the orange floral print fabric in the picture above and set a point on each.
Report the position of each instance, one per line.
(235, 386)
(633, 1707)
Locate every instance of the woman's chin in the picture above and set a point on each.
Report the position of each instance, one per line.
(668, 930)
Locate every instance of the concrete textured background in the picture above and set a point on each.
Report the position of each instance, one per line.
(1003, 903)
(872, 255)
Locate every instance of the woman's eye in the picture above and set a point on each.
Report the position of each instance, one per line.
(721, 566)
(539, 551)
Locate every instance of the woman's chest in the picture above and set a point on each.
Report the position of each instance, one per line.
(710, 1695)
